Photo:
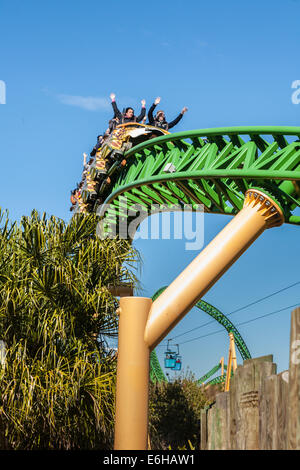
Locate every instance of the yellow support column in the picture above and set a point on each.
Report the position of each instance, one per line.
(259, 212)
(143, 326)
(222, 366)
(232, 362)
(131, 422)
(232, 345)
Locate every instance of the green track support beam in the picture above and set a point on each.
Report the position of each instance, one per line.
(215, 172)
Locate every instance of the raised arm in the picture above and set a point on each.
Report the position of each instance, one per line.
(151, 110)
(117, 112)
(177, 119)
(143, 112)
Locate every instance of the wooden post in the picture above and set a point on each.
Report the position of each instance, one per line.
(222, 421)
(249, 385)
(247, 399)
(211, 434)
(294, 383)
(252, 415)
(282, 410)
(233, 410)
(268, 413)
(203, 429)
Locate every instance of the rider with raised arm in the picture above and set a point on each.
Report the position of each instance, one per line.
(128, 115)
(97, 146)
(159, 120)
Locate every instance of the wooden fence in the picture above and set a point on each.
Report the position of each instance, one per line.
(262, 409)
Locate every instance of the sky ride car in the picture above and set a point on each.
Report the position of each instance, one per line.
(172, 358)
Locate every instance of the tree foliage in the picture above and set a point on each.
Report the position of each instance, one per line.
(174, 413)
(56, 316)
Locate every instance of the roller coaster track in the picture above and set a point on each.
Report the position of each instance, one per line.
(213, 170)
(210, 373)
(156, 372)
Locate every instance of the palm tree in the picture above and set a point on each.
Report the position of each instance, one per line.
(56, 317)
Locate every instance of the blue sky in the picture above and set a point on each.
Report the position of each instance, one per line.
(231, 63)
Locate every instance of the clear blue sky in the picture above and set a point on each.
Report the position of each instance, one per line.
(231, 63)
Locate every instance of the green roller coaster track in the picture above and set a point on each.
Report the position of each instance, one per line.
(210, 373)
(156, 373)
(213, 170)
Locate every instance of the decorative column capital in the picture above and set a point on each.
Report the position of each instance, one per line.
(266, 206)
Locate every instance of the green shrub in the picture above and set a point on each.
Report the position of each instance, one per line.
(174, 413)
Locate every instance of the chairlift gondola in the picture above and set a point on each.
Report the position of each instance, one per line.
(177, 365)
(170, 357)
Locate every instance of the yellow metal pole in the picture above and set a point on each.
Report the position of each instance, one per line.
(228, 372)
(222, 366)
(232, 346)
(259, 212)
(149, 442)
(232, 362)
(143, 326)
(131, 421)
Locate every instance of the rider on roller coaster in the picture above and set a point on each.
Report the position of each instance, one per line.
(160, 120)
(128, 115)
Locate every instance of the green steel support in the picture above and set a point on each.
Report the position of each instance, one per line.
(215, 172)
(210, 373)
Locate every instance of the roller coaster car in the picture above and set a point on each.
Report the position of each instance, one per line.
(139, 133)
(110, 157)
(121, 140)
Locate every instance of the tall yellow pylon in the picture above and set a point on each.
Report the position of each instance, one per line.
(222, 366)
(143, 324)
(232, 362)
